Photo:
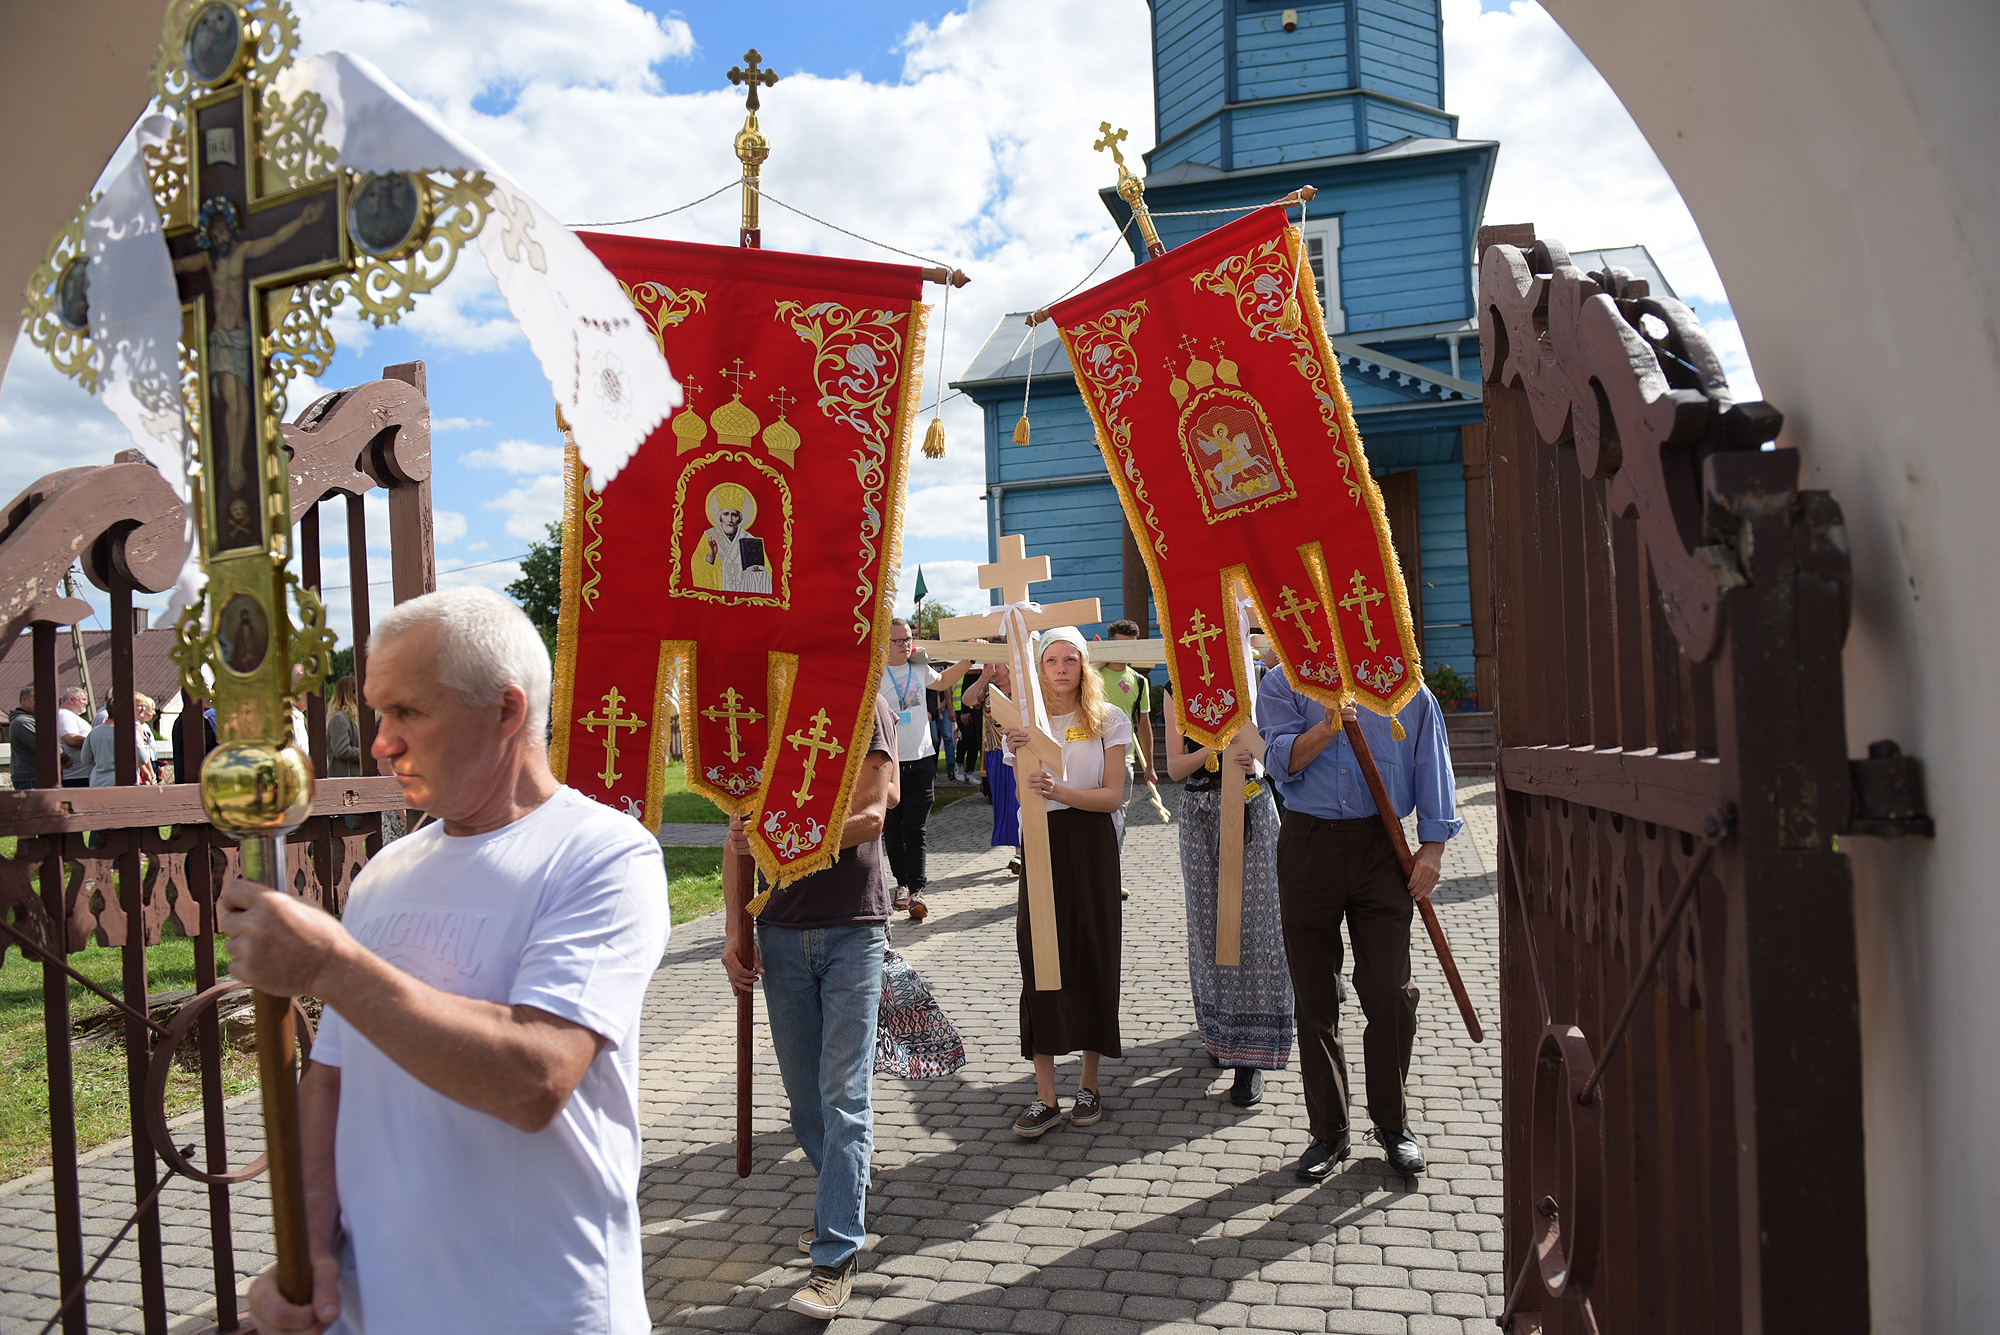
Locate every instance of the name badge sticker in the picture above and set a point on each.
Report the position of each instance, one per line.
(906, 716)
(1077, 735)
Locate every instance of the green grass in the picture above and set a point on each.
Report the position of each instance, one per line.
(694, 881)
(103, 1111)
(681, 807)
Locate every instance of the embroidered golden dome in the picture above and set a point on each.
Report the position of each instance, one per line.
(690, 429)
(1200, 374)
(781, 438)
(734, 424)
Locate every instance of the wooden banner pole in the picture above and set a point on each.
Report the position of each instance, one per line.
(1394, 826)
(739, 880)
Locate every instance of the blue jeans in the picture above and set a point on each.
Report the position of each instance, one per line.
(821, 988)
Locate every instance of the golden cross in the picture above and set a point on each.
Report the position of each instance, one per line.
(1110, 141)
(738, 376)
(1361, 601)
(784, 399)
(1014, 571)
(1189, 346)
(611, 720)
(814, 742)
(1197, 638)
(1294, 608)
(730, 715)
(753, 75)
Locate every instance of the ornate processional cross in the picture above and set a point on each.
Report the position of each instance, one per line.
(817, 741)
(1293, 608)
(611, 720)
(752, 148)
(1362, 600)
(730, 714)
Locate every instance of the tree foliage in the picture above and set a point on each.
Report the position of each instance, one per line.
(539, 589)
(925, 619)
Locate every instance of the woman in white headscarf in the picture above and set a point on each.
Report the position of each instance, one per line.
(1081, 1016)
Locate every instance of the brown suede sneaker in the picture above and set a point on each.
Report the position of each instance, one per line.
(1035, 1119)
(1087, 1109)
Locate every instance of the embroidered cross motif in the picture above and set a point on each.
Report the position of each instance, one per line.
(1197, 638)
(1362, 601)
(1294, 608)
(611, 720)
(814, 742)
(730, 715)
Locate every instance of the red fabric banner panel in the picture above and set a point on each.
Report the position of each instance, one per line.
(1221, 415)
(740, 566)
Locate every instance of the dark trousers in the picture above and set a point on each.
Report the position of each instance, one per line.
(903, 831)
(1329, 870)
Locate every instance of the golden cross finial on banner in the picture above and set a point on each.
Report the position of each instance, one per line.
(1111, 141)
(1293, 608)
(752, 148)
(1197, 638)
(751, 72)
(1362, 600)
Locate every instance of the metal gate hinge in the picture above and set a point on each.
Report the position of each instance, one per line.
(1889, 794)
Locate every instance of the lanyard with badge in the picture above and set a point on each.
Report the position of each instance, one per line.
(905, 707)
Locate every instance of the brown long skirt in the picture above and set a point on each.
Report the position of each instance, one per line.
(1082, 1016)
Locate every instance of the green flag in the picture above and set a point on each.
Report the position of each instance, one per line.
(921, 590)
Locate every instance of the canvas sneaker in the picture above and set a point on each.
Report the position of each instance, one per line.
(1036, 1118)
(826, 1290)
(1088, 1108)
(806, 1236)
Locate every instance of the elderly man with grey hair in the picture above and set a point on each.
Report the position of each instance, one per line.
(471, 1114)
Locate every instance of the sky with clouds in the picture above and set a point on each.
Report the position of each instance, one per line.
(960, 132)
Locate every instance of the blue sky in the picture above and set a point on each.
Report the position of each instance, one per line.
(960, 132)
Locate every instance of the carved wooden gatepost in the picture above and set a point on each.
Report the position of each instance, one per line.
(1681, 1086)
(57, 894)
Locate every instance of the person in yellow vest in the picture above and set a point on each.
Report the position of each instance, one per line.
(729, 557)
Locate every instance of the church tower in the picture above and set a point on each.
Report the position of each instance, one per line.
(1252, 99)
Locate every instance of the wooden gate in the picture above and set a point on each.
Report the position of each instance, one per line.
(1681, 1089)
(151, 856)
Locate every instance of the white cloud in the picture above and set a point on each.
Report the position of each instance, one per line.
(47, 422)
(530, 509)
(953, 583)
(517, 456)
(447, 526)
(456, 423)
(1726, 337)
(953, 511)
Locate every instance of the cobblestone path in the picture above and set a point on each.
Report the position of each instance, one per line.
(1177, 1214)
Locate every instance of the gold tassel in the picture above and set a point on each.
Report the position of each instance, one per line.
(1290, 320)
(1021, 430)
(756, 906)
(934, 439)
(1396, 730)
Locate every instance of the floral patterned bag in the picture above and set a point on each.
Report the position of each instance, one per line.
(913, 1038)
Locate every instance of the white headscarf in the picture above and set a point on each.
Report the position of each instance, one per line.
(1068, 635)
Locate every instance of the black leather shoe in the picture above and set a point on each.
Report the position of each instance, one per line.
(1321, 1158)
(1248, 1091)
(1402, 1151)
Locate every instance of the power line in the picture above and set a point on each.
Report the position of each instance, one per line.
(378, 583)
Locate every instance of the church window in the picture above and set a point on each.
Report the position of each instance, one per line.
(1322, 242)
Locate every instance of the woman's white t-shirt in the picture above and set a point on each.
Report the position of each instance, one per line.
(454, 1219)
(1083, 757)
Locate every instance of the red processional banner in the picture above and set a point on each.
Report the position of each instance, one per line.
(1222, 419)
(738, 570)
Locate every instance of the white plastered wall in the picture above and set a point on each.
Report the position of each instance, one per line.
(1842, 158)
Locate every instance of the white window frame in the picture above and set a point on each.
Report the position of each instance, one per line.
(1327, 232)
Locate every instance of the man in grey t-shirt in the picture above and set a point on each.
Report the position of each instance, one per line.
(21, 740)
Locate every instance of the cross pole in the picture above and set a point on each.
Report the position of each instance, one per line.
(1131, 190)
(1012, 575)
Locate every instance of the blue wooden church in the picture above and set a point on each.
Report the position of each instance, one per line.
(1253, 99)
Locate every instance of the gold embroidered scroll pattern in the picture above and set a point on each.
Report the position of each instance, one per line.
(593, 551)
(857, 368)
(664, 307)
(611, 720)
(1261, 283)
(1103, 353)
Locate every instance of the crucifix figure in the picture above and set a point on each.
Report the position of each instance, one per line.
(611, 720)
(729, 715)
(1293, 608)
(814, 742)
(1197, 638)
(1362, 601)
(237, 248)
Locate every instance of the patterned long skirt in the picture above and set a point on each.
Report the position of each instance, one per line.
(1006, 801)
(1245, 1012)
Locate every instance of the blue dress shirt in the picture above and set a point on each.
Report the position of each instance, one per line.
(1416, 772)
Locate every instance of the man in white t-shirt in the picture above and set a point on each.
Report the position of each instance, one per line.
(73, 732)
(902, 689)
(470, 1118)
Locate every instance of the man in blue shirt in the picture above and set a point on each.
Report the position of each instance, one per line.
(1335, 861)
